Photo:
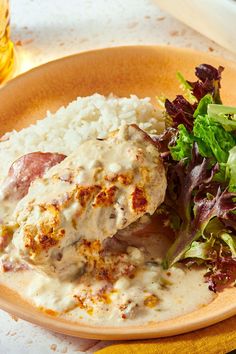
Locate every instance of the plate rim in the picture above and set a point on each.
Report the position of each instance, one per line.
(148, 331)
(167, 47)
(108, 333)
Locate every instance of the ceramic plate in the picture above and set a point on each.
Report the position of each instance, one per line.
(144, 71)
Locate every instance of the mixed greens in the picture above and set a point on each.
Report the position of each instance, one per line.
(199, 150)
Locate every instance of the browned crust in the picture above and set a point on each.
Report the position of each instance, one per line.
(139, 200)
(106, 197)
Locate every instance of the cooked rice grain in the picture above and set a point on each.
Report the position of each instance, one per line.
(83, 119)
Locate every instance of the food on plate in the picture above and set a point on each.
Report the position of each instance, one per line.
(90, 196)
(111, 217)
(199, 149)
(25, 170)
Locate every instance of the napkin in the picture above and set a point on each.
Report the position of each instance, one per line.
(216, 339)
(213, 18)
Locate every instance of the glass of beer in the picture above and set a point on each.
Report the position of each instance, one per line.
(6, 45)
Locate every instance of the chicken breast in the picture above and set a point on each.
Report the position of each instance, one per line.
(99, 189)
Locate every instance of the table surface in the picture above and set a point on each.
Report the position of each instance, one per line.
(45, 30)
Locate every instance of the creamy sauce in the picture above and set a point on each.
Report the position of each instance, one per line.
(80, 198)
(83, 273)
(149, 294)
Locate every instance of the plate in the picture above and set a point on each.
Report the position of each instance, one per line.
(140, 70)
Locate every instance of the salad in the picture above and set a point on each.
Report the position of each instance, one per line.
(199, 150)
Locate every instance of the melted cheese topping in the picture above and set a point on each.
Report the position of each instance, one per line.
(63, 258)
(81, 198)
(145, 294)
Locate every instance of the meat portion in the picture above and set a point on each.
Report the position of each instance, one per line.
(99, 189)
(25, 170)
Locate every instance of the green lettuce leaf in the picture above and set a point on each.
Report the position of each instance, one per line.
(184, 144)
(186, 87)
(202, 107)
(214, 232)
(212, 139)
(231, 167)
(230, 240)
(200, 249)
(224, 115)
(210, 131)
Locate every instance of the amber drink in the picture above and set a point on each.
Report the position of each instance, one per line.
(6, 45)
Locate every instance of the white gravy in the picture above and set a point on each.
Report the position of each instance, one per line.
(151, 294)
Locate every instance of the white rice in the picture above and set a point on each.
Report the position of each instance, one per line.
(85, 118)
